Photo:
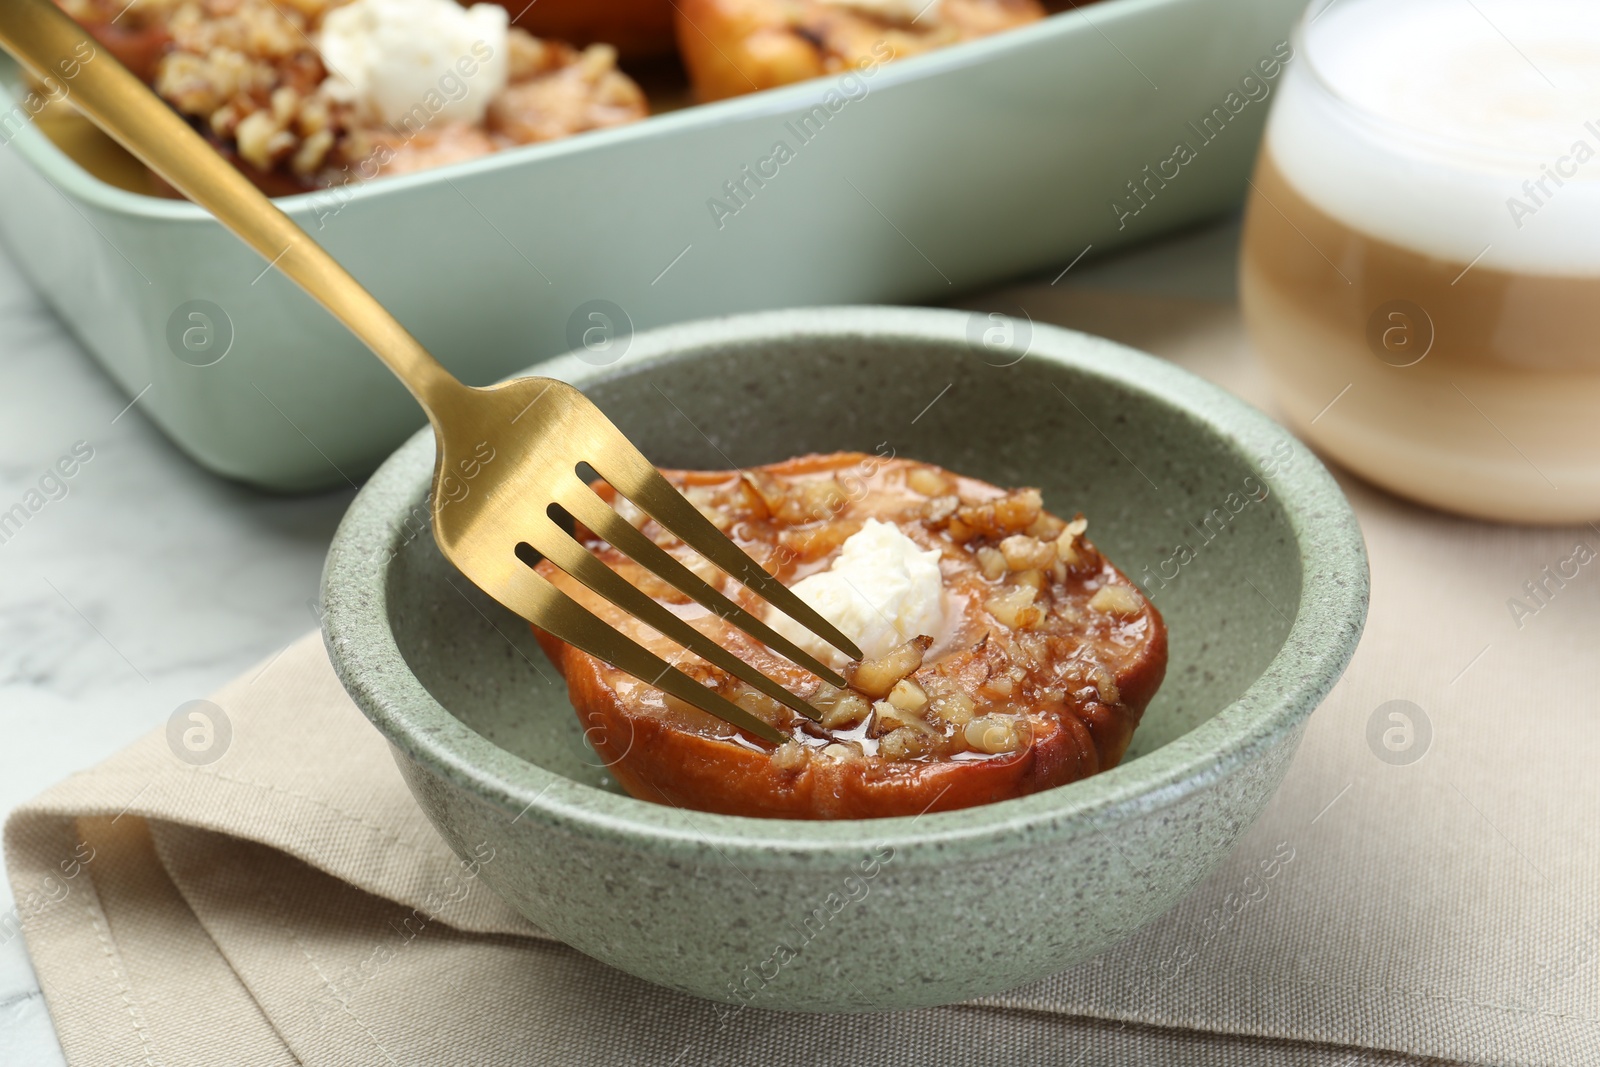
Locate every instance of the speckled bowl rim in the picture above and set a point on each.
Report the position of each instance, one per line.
(1321, 640)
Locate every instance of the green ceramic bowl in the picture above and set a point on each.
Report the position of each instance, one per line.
(1236, 530)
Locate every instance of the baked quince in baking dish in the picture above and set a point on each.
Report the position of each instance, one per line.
(731, 47)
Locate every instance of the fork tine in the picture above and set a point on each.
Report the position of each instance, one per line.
(559, 548)
(535, 599)
(635, 478)
(593, 512)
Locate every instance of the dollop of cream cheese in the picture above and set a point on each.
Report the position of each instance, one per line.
(881, 590)
(414, 63)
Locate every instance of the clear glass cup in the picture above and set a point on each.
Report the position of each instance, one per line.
(1420, 272)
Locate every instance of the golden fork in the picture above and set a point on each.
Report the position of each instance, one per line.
(540, 429)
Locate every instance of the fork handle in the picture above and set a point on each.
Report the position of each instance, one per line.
(59, 52)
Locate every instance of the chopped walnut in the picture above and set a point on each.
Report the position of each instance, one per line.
(995, 734)
(789, 756)
(1067, 543)
(1117, 600)
(956, 708)
(1046, 527)
(906, 743)
(1024, 553)
(908, 696)
(939, 509)
(875, 677)
(887, 718)
(1105, 685)
(760, 705)
(841, 709)
(810, 541)
(1016, 608)
(929, 482)
(1032, 579)
(998, 518)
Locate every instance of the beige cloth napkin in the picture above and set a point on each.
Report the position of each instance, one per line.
(289, 904)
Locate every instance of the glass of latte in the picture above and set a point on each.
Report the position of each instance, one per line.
(1421, 260)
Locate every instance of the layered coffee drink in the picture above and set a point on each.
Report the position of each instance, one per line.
(1421, 264)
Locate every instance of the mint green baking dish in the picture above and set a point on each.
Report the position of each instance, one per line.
(937, 174)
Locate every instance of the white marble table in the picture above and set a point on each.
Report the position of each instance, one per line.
(152, 582)
(147, 585)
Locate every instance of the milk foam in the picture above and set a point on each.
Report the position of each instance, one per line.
(1443, 120)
